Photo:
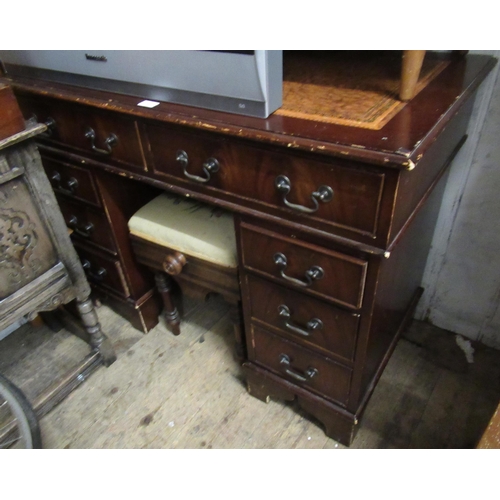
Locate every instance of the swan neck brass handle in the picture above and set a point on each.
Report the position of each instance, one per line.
(311, 326)
(109, 142)
(312, 274)
(323, 194)
(301, 377)
(210, 166)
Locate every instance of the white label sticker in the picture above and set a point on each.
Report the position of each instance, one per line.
(148, 104)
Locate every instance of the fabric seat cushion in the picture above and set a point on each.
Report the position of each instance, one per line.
(187, 226)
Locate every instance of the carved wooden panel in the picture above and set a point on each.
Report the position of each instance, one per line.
(26, 251)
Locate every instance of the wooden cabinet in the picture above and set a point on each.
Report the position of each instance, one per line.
(96, 207)
(333, 223)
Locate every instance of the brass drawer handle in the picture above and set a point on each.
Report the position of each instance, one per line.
(71, 184)
(311, 326)
(211, 166)
(323, 194)
(312, 274)
(99, 275)
(85, 230)
(308, 374)
(110, 142)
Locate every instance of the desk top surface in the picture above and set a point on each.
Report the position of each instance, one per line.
(402, 140)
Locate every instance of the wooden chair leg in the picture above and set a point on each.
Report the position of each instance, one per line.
(412, 64)
(164, 284)
(98, 339)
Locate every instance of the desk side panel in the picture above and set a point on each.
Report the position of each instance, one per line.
(397, 292)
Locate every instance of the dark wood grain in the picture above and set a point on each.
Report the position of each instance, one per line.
(72, 181)
(371, 240)
(108, 202)
(70, 123)
(331, 380)
(404, 138)
(12, 121)
(336, 337)
(344, 276)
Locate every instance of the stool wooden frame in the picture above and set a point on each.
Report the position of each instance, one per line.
(196, 278)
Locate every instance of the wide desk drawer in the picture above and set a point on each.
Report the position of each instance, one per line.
(300, 366)
(69, 180)
(104, 136)
(335, 193)
(87, 224)
(309, 268)
(306, 321)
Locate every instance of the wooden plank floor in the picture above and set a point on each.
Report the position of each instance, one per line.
(188, 391)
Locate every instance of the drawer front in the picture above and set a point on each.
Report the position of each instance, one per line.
(308, 268)
(287, 182)
(307, 321)
(104, 136)
(75, 182)
(87, 224)
(300, 366)
(103, 272)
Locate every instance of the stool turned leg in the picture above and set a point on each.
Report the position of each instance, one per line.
(98, 340)
(164, 284)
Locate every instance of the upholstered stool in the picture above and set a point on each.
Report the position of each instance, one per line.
(192, 243)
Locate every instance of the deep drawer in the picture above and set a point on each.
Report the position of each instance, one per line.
(87, 224)
(305, 320)
(72, 181)
(300, 366)
(105, 136)
(103, 272)
(262, 176)
(309, 268)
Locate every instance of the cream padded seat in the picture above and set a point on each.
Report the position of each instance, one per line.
(193, 245)
(189, 227)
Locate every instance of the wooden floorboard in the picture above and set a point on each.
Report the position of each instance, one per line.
(189, 392)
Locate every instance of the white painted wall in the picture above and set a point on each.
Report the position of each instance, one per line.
(462, 277)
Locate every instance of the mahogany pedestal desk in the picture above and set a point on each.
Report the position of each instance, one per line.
(333, 222)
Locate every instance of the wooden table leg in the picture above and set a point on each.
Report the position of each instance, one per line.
(412, 64)
(98, 340)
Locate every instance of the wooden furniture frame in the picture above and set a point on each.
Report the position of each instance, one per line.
(196, 277)
(333, 223)
(39, 268)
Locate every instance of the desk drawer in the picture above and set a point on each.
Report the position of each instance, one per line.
(104, 136)
(307, 321)
(69, 180)
(103, 272)
(254, 173)
(300, 366)
(305, 267)
(87, 224)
